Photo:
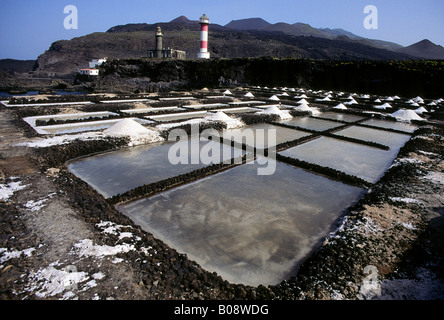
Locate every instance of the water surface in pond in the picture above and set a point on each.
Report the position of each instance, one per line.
(397, 125)
(248, 228)
(393, 140)
(340, 116)
(263, 135)
(119, 171)
(311, 123)
(355, 159)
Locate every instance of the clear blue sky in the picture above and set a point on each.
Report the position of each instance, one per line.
(28, 27)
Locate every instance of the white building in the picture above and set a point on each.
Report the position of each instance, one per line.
(96, 62)
(89, 72)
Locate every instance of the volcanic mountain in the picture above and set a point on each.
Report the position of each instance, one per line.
(240, 38)
(424, 49)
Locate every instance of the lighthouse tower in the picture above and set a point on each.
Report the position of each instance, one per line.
(204, 22)
(159, 42)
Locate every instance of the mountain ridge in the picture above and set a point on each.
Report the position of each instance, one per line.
(304, 29)
(132, 41)
(424, 49)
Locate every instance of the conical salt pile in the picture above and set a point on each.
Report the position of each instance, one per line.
(384, 106)
(406, 115)
(217, 116)
(126, 127)
(303, 107)
(283, 114)
(220, 116)
(137, 133)
(303, 101)
(421, 110)
(249, 95)
(274, 98)
(340, 107)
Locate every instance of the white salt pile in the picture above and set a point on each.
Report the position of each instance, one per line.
(249, 95)
(274, 98)
(305, 108)
(340, 107)
(406, 115)
(283, 114)
(421, 110)
(303, 101)
(137, 133)
(227, 92)
(351, 101)
(220, 116)
(384, 106)
(418, 99)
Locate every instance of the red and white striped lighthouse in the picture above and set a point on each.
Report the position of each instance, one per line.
(204, 22)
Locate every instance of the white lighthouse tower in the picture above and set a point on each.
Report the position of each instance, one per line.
(204, 22)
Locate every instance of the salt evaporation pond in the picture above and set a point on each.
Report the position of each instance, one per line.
(340, 116)
(70, 116)
(311, 123)
(396, 125)
(146, 110)
(248, 228)
(261, 138)
(82, 126)
(393, 140)
(122, 170)
(365, 162)
(178, 116)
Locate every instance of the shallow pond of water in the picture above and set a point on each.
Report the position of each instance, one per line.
(355, 159)
(264, 135)
(82, 126)
(122, 170)
(340, 116)
(393, 140)
(311, 123)
(248, 228)
(403, 126)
